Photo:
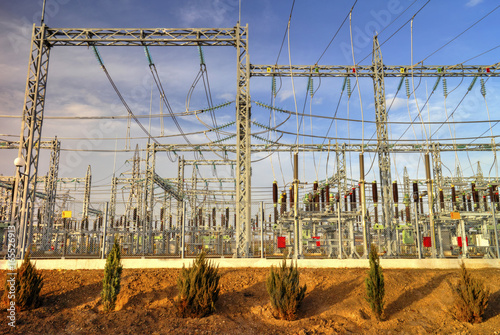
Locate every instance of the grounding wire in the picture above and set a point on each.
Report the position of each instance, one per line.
(401, 27)
(454, 38)
(338, 30)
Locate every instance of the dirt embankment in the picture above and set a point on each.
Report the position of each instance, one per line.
(417, 302)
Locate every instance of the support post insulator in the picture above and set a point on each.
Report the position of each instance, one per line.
(415, 194)
(395, 198)
(453, 198)
(441, 199)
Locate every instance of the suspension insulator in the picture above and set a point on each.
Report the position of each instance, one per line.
(344, 83)
(273, 86)
(472, 84)
(349, 91)
(407, 85)
(445, 88)
(436, 84)
(401, 83)
(483, 88)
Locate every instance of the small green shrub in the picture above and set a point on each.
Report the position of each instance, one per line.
(28, 284)
(112, 278)
(471, 298)
(375, 285)
(198, 288)
(284, 291)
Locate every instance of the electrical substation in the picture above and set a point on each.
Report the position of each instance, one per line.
(208, 203)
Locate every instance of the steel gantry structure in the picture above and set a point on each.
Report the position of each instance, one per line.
(44, 38)
(42, 41)
(377, 71)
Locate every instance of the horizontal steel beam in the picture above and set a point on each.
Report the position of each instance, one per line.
(143, 36)
(458, 70)
(398, 148)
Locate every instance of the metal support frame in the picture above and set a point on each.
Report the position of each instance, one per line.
(243, 148)
(44, 38)
(51, 192)
(86, 195)
(384, 159)
(31, 132)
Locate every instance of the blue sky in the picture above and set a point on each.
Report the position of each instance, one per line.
(78, 87)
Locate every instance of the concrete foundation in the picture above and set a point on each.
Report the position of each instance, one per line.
(98, 264)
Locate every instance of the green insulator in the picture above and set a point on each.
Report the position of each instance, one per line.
(400, 83)
(148, 55)
(343, 85)
(97, 55)
(436, 84)
(472, 84)
(311, 87)
(349, 91)
(273, 86)
(407, 85)
(202, 58)
(445, 88)
(483, 88)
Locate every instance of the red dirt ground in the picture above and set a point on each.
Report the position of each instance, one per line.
(417, 302)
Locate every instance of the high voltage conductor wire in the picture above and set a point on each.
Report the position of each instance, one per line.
(99, 59)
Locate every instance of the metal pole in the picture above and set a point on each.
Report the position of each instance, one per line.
(296, 205)
(183, 226)
(363, 204)
(105, 231)
(495, 228)
(419, 248)
(430, 201)
(340, 227)
(262, 229)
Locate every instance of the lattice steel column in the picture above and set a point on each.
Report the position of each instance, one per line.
(180, 189)
(31, 132)
(112, 203)
(50, 191)
(243, 148)
(149, 198)
(384, 161)
(86, 195)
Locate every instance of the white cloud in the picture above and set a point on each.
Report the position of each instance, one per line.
(472, 3)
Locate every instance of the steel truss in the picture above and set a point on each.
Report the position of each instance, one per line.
(44, 38)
